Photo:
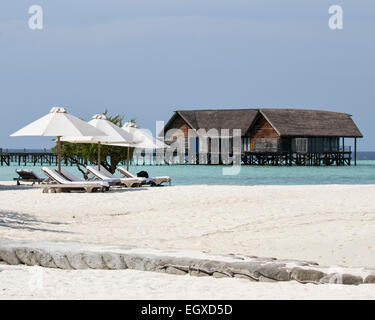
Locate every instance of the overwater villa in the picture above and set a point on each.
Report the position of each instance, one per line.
(269, 136)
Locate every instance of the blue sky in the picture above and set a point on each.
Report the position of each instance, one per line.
(147, 58)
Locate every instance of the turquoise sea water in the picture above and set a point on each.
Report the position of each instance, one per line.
(363, 173)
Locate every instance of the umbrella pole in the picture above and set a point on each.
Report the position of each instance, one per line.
(128, 159)
(59, 154)
(99, 157)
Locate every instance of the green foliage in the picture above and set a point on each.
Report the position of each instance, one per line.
(83, 154)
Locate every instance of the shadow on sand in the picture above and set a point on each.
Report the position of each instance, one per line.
(4, 187)
(23, 221)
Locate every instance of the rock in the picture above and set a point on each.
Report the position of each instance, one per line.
(9, 256)
(28, 256)
(176, 271)
(306, 275)
(370, 279)
(61, 260)
(131, 262)
(152, 263)
(77, 260)
(46, 260)
(198, 273)
(113, 261)
(274, 271)
(94, 260)
(217, 266)
(137, 262)
(245, 268)
(210, 267)
(351, 279)
(347, 279)
(86, 256)
(332, 278)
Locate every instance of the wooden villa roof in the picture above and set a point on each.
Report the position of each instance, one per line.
(219, 119)
(300, 122)
(287, 122)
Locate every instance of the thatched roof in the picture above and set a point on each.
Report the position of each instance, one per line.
(300, 122)
(219, 119)
(287, 122)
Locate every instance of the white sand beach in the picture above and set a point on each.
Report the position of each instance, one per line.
(331, 224)
(20, 282)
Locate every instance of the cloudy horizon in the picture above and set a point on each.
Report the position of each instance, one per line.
(147, 59)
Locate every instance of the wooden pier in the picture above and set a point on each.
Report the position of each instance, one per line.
(29, 158)
(297, 159)
(343, 158)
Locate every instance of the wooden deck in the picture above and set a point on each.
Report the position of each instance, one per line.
(247, 158)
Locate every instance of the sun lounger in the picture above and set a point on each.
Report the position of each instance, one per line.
(152, 180)
(101, 177)
(70, 176)
(103, 174)
(27, 176)
(61, 184)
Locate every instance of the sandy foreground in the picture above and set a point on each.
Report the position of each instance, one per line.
(332, 224)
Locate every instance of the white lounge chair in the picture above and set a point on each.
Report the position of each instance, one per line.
(70, 176)
(61, 184)
(103, 174)
(157, 181)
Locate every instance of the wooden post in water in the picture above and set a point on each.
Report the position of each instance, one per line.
(355, 151)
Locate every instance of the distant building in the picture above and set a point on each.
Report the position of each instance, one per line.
(273, 136)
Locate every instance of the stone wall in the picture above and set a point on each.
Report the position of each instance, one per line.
(70, 255)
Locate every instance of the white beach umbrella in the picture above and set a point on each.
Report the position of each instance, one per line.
(114, 135)
(146, 140)
(143, 139)
(59, 123)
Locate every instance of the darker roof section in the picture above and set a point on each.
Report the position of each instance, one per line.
(220, 119)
